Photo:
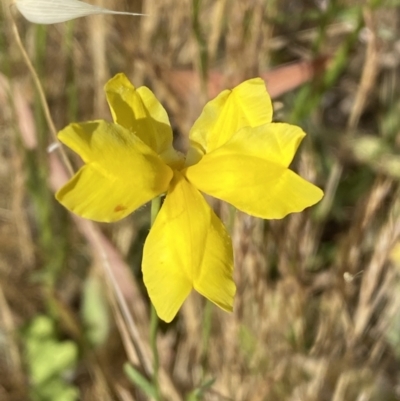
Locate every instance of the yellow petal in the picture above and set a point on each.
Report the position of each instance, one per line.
(253, 177)
(140, 112)
(187, 247)
(246, 105)
(120, 175)
(275, 142)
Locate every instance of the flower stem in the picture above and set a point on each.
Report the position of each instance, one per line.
(155, 208)
(206, 333)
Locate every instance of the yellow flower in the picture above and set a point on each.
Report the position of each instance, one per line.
(236, 154)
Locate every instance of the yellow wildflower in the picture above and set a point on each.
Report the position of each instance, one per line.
(236, 154)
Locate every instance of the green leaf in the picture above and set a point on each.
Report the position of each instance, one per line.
(95, 311)
(198, 393)
(48, 360)
(137, 378)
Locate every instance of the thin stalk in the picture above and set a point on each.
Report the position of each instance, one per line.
(202, 45)
(71, 84)
(154, 321)
(42, 96)
(206, 333)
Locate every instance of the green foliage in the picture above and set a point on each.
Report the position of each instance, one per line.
(95, 312)
(198, 393)
(248, 342)
(49, 362)
(139, 380)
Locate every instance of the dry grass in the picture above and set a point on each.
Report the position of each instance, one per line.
(317, 309)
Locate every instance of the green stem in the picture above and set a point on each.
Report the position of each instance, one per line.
(155, 208)
(201, 43)
(206, 333)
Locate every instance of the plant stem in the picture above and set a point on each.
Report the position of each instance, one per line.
(155, 208)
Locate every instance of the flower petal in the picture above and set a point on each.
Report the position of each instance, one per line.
(275, 142)
(55, 11)
(253, 177)
(187, 247)
(246, 105)
(121, 174)
(139, 111)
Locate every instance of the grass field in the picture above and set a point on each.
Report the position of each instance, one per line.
(317, 309)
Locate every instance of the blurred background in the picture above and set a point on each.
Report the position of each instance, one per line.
(317, 311)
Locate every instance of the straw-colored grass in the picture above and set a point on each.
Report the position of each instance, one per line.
(316, 314)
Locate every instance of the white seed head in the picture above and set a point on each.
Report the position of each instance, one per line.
(55, 11)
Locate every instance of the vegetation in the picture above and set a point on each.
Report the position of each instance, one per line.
(317, 310)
